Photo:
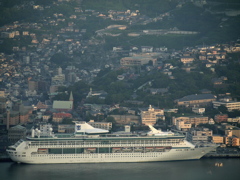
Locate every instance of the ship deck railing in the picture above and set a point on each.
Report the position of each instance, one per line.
(100, 144)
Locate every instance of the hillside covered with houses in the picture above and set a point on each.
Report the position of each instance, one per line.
(120, 67)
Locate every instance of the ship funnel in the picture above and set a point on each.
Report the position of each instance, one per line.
(154, 130)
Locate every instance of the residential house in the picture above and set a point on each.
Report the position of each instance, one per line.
(158, 90)
(58, 117)
(220, 118)
(41, 105)
(187, 59)
(147, 49)
(101, 94)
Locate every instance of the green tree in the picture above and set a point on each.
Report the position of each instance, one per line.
(223, 109)
(67, 121)
(61, 59)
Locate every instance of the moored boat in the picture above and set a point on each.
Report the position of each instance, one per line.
(93, 145)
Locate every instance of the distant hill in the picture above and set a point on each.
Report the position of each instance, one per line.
(210, 18)
(217, 21)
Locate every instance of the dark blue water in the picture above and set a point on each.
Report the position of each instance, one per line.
(203, 169)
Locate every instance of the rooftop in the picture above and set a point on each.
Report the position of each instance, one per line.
(197, 97)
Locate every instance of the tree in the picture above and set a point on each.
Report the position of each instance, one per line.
(60, 59)
(110, 119)
(61, 97)
(223, 109)
(67, 121)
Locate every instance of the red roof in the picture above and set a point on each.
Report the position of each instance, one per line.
(62, 115)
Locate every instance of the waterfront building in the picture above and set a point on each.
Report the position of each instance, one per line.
(151, 116)
(101, 125)
(200, 135)
(230, 139)
(16, 116)
(125, 119)
(234, 130)
(217, 139)
(16, 132)
(182, 126)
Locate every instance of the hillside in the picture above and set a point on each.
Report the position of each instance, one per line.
(216, 21)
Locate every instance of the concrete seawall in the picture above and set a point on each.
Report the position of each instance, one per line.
(222, 155)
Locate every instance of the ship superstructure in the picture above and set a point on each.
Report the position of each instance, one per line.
(92, 145)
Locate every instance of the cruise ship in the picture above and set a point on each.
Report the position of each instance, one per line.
(93, 145)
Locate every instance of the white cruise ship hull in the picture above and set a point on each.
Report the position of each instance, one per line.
(172, 155)
(103, 148)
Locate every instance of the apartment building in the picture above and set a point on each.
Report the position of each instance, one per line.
(230, 105)
(230, 139)
(193, 120)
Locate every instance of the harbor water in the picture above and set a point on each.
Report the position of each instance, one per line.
(204, 169)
